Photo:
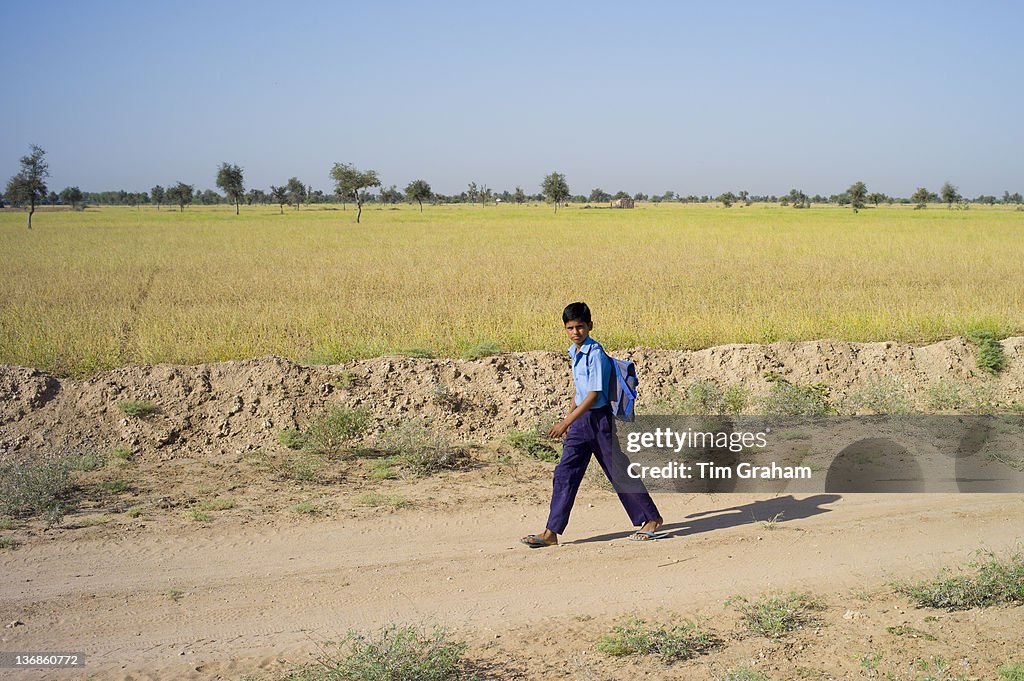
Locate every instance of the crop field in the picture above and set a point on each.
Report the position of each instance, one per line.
(87, 291)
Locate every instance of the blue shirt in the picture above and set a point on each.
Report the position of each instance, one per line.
(591, 371)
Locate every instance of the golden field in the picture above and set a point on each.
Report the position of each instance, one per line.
(86, 291)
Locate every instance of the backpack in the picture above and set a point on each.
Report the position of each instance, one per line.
(623, 389)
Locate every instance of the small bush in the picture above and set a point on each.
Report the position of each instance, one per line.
(134, 512)
(7, 523)
(335, 430)
(376, 500)
(445, 397)
(219, 504)
(421, 451)
(384, 469)
(481, 350)
(786, 399)
(304, 508)
(993, 581)
(200, 516)
(882, 396)
(735, 399)
(137, 408)
(535, 443)
(122, 454)
(1011, 672)
(743, 673)
(990, 355)
(89, 461)
(775, 615)
(419, 352)
(37, 489)
(114, 486)
(8, 542)
(671, 643)
(394, 653)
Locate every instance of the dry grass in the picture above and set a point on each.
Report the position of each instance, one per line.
(90, 290)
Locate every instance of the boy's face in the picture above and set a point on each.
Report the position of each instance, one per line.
(578, 330)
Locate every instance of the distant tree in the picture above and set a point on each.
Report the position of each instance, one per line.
(418, 191)
(519, 196)
(796, 198)
(485, 195)
(208, 197)
(29, 185)
(555, 188)
(180, 194)
(72, 196)
(921, 198)
(949, 194)
(1012, 198)
(230, 180)
(744, 196)
(639, 196)
(351, 183)
(280, 196)
(986, 199)
(472, 193)
(856, 195)
(727, 199)
(157, 195)
(255, 196)
(296, 192)
(599, 195)
(876, 198)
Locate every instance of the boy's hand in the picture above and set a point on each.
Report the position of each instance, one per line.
(558, 430)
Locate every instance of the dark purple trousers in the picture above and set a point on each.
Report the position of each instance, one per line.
(594, 433)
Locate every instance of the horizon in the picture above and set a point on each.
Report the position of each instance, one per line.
(689, 99)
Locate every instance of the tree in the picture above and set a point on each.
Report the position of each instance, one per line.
(555, 188)
(797, 198)
(350, 183)
(157, 194)
(296, 192)
(472, 193)
(29, 185)
(485, 195)
(950, 195)
(229, 179)
(519, 195)
(72, 195)
(598, 195)
(418, 191)
(876, 198)
(180, 194)
(727, 199)
(280, 196)
(921, 198)
(857, 195)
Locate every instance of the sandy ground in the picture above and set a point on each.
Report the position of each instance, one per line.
(260, 598)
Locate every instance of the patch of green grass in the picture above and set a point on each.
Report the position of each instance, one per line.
(481, 350)
(114, 486)
(200, 516)
(990, 356)
(334, 431)
(418, 352)
(535, 443)
(304, 508)
(134, 512)
(174, 595)
(670, 642)
(122, 454)
(89, 461)
(1011, 672)
(735, 399)
(991, 581)
(7, 523)
(420, 450)
(291, 438)
(775, 615)
(744, 673)
(218, 504)
(884, 395)
(343, 380)
(909, 632)
(137, 408)
(870, 661)
(374, 500)
(393, 653)
(8, 542)
(384, 469)
(93, 520)
(42, 488)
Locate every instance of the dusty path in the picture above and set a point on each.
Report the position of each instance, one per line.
(251, 598)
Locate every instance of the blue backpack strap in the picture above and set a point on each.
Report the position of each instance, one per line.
(625, 389)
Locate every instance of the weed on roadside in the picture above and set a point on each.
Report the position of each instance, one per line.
(137, 408)
(535, 443)
(671, 642)
(775, 615)
(992, 581)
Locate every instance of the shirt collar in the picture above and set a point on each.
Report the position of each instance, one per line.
(585, 348)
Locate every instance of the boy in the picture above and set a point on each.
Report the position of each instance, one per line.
(589, 429)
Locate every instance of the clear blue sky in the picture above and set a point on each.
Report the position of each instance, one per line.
(648, 96)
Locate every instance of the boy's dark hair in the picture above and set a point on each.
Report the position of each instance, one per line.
(576, 312)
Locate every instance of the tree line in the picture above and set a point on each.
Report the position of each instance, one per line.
(28, 189)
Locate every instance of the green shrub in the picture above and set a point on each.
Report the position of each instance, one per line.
(219, 504)
(374, 500)
(8, 542)
(481, 350)
(394, 653)
(200, 516)
(735, 399)
(992, 581)
(122, 453)
(89, 461)
(419, 352)
(671, 643)
(137, 408)
(535, 443)
(304, 508)
(786, 399)
(421, 451)
(744, 673)
(292, 438)
(334, 431)
(884, 395)
(114, 486)
(990, 355)
(1011, 672)
(37, 488)
(775, 615)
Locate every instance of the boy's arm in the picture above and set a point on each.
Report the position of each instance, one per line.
(558, 430)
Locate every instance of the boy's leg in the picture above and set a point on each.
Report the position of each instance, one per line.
(576, 450)
(638, 503)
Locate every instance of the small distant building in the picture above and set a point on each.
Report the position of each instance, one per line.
(622, 203)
